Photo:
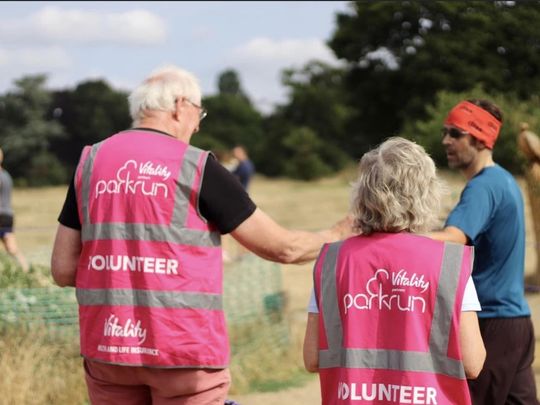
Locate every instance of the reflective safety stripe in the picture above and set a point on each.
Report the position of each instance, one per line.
(156, 233)
(85, 189)
(434, 361)
(330, 309)
(446, 297)
(175, 232)
(146, 298)
(391, 360)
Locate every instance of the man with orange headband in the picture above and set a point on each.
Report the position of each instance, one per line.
(490, 216)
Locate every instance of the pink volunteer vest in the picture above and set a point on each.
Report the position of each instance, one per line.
(390, 306)
(149, 278)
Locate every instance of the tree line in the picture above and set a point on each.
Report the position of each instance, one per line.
(404, 64)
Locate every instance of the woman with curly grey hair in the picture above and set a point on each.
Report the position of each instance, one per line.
(393, 313)
(397, 189)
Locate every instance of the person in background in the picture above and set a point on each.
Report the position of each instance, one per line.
(139, 238)
(490, 216)
(393, 313)
(245, 168)
(529, 146)
(7, 233)
(226, 159)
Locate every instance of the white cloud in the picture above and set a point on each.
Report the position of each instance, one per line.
(288, 51)
(261, 60)
(36, 59)
(57, 25)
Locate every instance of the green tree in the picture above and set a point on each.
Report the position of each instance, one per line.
(317, 100)
(229, 83)
(89, 113)
(27, 133)
(317, 114)
(231, 120)
(304, 155)
(401, 53)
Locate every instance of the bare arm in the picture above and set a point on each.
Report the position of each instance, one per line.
(311, 343)
(65, 256)
(450, 234)
(472, 345)
(269, 240)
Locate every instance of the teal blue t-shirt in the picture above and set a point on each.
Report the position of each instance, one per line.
(490, 213)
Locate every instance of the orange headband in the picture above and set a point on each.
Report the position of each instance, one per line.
(476, 121)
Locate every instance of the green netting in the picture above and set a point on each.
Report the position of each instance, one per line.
(55, 308)
(253, 302)
(252, 288)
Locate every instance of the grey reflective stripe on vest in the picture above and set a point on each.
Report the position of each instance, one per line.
(444, 309)
(145, 298)
(175, 232)
(435, 361)
(85, 189)
(330, 308)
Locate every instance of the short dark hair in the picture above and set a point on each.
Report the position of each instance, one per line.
(490, 107)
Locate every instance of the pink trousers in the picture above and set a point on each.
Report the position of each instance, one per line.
(111, 384)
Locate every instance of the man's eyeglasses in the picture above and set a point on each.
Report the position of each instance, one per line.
(452, 132)
(202, 111)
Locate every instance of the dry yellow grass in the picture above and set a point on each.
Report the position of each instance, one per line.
(36, 371)
(36, 213)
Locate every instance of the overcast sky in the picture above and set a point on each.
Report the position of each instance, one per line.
(123, 41)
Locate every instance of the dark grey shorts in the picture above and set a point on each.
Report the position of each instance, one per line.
(507, 376)
(6, 224)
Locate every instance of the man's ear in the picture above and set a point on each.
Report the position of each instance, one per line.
(178, 109)
(478, 144)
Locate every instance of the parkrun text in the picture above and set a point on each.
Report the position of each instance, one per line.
(144, 179)
(389, 293)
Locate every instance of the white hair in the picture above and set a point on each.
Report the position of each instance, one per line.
(161, 90)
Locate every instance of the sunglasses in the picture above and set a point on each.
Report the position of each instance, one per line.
(453, 133)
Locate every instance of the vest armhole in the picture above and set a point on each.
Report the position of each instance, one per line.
(202, 167)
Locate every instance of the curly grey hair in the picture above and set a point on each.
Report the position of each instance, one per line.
(397, 189)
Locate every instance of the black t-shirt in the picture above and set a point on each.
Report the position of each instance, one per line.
(222, 201)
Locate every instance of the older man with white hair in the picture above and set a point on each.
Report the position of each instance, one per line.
(139, 238)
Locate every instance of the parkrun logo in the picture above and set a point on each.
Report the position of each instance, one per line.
(399, 394)
(396, 299)
(134, 178)
(130, 329)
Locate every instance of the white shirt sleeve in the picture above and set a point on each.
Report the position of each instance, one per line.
(312, 306)
(470, 299)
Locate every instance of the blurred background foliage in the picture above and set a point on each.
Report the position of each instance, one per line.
(403, 65)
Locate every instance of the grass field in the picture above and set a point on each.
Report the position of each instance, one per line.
(301, 205)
